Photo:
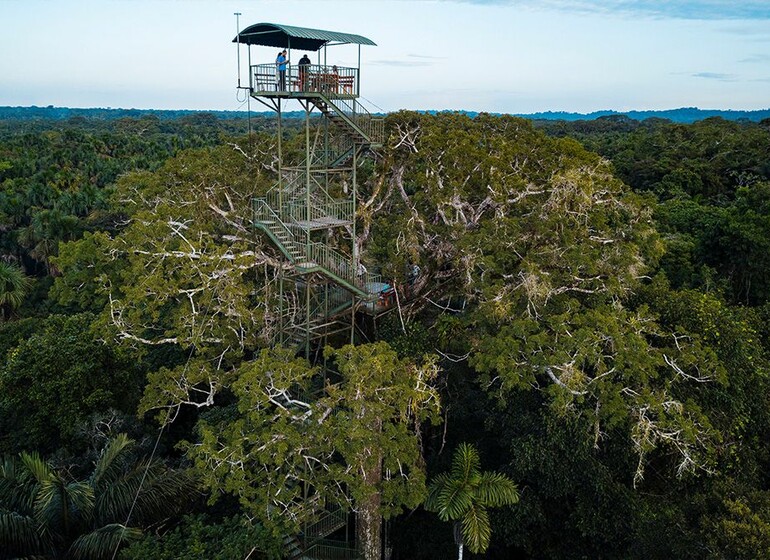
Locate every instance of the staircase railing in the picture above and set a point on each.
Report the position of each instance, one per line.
(295, 188)
(327, 549)
(264, 215)
(326, 524)
(297, 211)
(318, 254)
(340, 266)
(337, 145)
(289, 202)
(340, 148)
(373, 128)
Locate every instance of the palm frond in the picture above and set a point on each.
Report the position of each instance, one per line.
(114, 501)
(476, 529)
(103, 542)
(36, 466)
(434, 491)
(495, 489)
(17, 487)
(112, 461)
(163, 494)
(448, 497)
(465, 492)
(455, 498)
(465, 463)
(62, 506)
(19, 536)
(14, 285)
(163, 491)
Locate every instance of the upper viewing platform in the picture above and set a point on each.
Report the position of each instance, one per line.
(304, 80)
(293, 74)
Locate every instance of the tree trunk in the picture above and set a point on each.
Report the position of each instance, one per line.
(369, 525)
(369, 528)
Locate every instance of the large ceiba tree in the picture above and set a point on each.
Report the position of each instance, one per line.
(533, 250)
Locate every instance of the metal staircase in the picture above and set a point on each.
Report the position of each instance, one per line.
(308, 256)
(350, 115)
(313, 198)
(313, 544)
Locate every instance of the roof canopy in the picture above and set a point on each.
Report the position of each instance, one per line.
(301, 38)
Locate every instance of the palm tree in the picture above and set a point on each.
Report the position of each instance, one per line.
(14, 286)
(47, 515)
(463, 495)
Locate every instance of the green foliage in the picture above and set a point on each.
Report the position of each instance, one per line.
(198, 537)
(377, 408)
(413, 339)
(742, 531)
(712, 178)
(268, 437)
(181, 273)
(55, 378)
(86, 272)
(732, 240)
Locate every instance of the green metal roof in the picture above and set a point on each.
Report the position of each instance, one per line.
(301, 38)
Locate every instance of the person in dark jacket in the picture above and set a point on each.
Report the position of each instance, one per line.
(304, 64)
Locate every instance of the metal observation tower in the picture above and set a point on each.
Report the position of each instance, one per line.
(309, 215)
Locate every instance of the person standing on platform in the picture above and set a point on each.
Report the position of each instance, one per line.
(304, 64)
(280, 64)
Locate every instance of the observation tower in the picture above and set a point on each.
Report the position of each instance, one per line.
(310, 213)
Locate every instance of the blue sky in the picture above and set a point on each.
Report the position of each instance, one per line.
(516, 56)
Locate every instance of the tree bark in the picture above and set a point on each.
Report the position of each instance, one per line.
(369, 528)
(369, 525)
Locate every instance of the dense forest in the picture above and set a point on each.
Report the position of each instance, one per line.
(51, 113)
(581, 369)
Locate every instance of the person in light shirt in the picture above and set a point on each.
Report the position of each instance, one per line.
(280, 65)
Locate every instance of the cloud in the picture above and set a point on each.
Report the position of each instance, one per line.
(422, 60)
(715, 76)
(401, 63)
(664, 9)
(426, 56)
(756, 58)
(748, 32)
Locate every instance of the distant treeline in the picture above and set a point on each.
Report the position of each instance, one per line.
(64, 113)
(681, 115)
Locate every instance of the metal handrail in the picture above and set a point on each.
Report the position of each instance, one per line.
(335, 262)
(372, 127)
(297, 210)
(332, 80)
(328, 549)
(295, 187)
(290, 203)
(318, 254)
(331, 520)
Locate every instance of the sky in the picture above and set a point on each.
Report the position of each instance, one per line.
(505, 56)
